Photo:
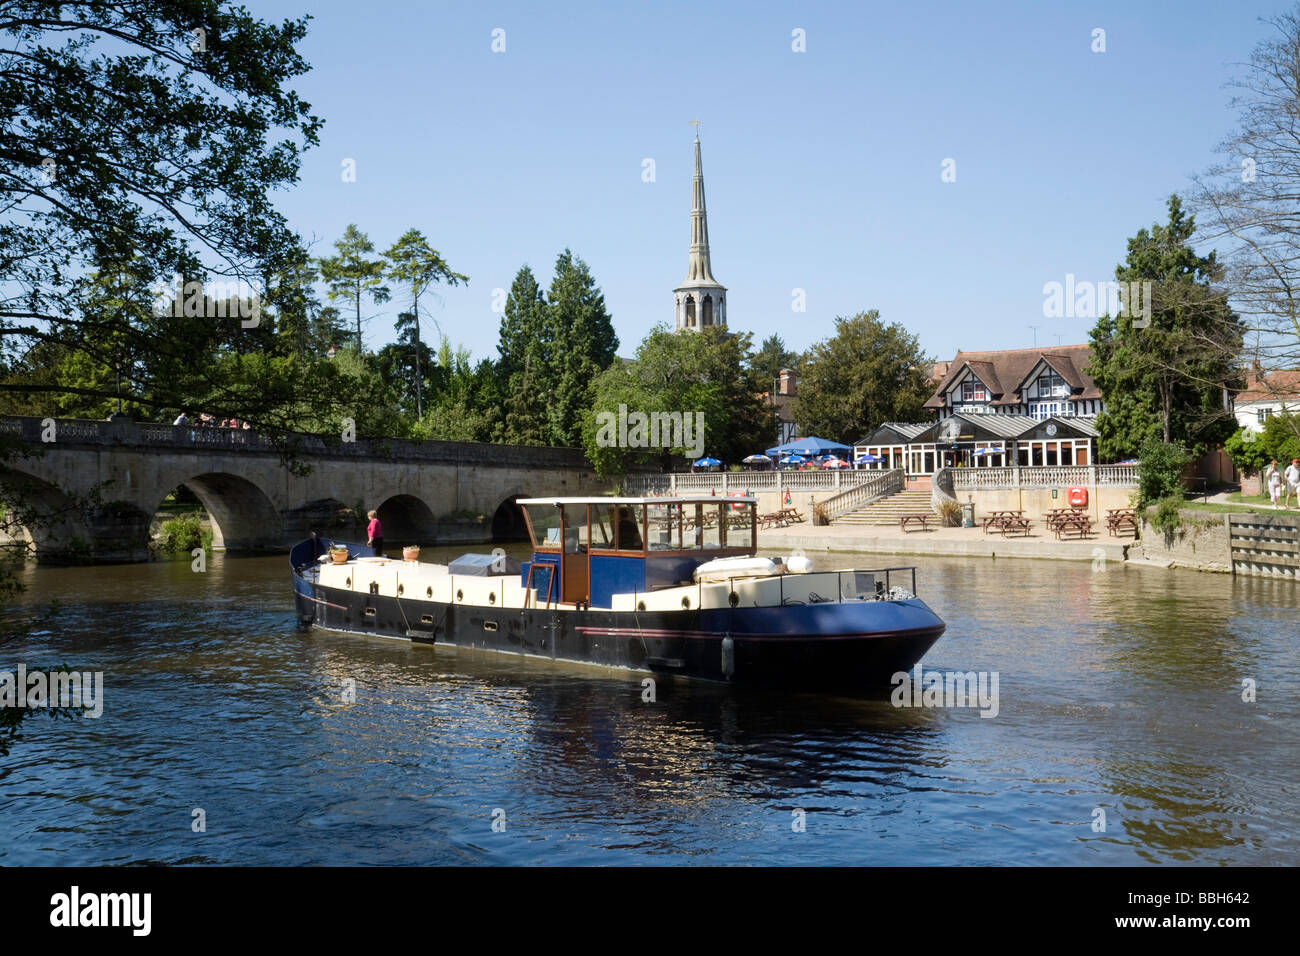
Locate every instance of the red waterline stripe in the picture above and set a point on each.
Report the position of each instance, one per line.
(698, 635)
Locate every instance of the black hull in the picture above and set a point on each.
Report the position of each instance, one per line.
(850, 645)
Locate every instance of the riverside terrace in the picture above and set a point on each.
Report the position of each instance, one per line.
(421, 490)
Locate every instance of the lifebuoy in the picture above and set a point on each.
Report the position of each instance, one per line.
(1077, 496)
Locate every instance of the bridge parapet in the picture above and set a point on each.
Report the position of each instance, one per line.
(83, 432)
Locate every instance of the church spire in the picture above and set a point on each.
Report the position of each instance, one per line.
(699, 300)
(698, 270)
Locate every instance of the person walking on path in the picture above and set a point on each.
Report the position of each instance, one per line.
(1292, 478)
(375, 534)
(1273, 481)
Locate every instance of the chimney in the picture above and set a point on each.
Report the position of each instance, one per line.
(788, 385)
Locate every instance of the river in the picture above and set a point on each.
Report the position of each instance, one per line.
(1120, 702)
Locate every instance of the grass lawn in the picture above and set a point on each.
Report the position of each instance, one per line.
(1244, 508)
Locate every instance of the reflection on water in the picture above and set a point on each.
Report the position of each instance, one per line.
(1119, 690)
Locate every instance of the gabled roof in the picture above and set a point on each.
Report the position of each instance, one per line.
(904, 430)
(996, 369)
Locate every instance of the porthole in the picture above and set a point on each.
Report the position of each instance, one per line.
(492, 597)
(460, 595)
(733, 599)
(401, 589)
(489, 625)
(640, 605)
(348, 582)
(370, 612)
(426, 619)
(686, 604)
(428, 592)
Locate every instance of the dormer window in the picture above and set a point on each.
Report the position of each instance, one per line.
(972, 390)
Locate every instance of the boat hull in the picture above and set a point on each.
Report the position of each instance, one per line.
(835, 645)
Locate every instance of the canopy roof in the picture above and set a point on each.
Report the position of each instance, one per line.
(808, 446)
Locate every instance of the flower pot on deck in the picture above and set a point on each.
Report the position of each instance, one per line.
(411, 552)
(340, 556)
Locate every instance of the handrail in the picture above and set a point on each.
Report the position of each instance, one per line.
(886, 483)
(52, 432)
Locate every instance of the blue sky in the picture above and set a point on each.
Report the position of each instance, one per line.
(822, 168)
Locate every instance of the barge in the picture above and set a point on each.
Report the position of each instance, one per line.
(668, 585)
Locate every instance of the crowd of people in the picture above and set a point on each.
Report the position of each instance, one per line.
(1288, 480)
(204, 420)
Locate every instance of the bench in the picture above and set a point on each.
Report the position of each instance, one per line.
(923, 520)
(1125, 521)
(1079, 526)
(1015, 525)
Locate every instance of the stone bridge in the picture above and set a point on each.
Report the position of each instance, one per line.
(94, 487)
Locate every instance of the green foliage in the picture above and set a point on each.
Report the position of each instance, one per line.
(181, 535)
(771, 357)
(414, 262)
(1160, 471)
(1248, 454)
(1167, 380)
(680, 374)
(867, 373)
(524, 364)
(350, 275)
(581, 344)
(1167, 519)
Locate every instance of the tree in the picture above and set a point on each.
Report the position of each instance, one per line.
(408, 364)
(866, 373)
(413, 261)
(698, 379)
(139, 140)
(1247, 201)
(582, 345)
(350, 275)
(1278, 441)
(125, 140)
(523, 366)
(771, 357)
(1166, 374)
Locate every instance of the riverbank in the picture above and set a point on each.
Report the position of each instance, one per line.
(945, 542)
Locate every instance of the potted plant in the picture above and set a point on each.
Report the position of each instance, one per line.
(339, 554)
(411, 552)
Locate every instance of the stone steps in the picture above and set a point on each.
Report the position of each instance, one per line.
(887, 511)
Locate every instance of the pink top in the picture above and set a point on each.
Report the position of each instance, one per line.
(374, 529)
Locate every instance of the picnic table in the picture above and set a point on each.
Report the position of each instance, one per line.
(922, 519)
(997, 520)
(1121, 519)
(1015, 524)
(1078, 525)
(1056, 516)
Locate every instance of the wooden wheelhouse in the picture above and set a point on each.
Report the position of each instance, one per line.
(587, 549)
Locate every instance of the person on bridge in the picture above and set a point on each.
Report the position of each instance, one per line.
(375, 534)
(181, 419)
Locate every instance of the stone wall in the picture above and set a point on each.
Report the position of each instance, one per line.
(1036, 502)
(1201, 544)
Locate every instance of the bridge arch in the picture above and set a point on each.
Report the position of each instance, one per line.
(52, 524)
(406, 519)
(508, 520)
(243, 515)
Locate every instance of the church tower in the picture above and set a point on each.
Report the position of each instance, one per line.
(700, 300)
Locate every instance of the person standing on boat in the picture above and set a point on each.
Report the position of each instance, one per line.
(375, 534)
(1273, 481)
(1292, 479)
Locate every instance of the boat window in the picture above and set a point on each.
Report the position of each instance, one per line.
(665, 526)
(575, 529)
(628, 519)
(602, 526)
(710, 535)
(543, 525)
